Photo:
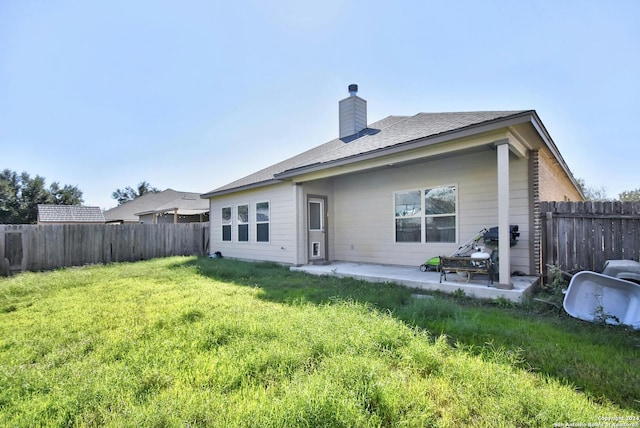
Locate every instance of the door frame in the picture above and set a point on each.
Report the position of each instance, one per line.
(324, 222)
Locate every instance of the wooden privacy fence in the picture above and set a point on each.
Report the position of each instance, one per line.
(583, 235)
(45, 247)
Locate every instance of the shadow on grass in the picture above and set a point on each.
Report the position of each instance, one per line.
(602, 361)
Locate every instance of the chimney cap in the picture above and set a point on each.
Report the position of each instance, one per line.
(353, 89)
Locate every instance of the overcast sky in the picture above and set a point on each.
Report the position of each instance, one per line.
(191, 95)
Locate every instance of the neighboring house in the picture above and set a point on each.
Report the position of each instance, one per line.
(398, 191)
(69, 214)
(168, 206)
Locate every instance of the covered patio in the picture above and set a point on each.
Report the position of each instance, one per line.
(411, 276)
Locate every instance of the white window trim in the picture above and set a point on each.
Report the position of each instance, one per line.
(423, 214)
(262, 222)
(239, 223)
(455, 214)
(419, 215)
(224, 223)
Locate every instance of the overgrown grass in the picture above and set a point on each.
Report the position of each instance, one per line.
(200, 342)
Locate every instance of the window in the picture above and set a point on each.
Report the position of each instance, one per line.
(315, 216)
(438, 221)
(408, 218)
(262, 221)
(243, 223)
(226, 224)
(440, 214)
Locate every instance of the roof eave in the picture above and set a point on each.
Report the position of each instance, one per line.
(251, 186)
(154, 211)
(467, 131)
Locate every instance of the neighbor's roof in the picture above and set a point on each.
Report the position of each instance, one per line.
(149, 203)
(69, 214)
(187, 204)
(389, 132)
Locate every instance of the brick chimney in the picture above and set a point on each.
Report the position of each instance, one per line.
(352, 113)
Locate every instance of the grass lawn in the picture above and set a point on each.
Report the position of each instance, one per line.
(184, 341)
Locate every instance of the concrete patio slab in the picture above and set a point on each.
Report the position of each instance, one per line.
(412, 277)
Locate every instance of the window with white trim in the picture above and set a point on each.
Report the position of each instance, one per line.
(226, 224)
(243, 223)
(262, 221)
(426, 215)
(440, 214)
(408, 217)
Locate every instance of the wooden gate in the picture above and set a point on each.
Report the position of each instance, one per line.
(11, 261)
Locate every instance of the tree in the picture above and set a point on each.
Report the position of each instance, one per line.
(129, 194)
(593, 193)
(20, 195)
(9, 203)
(67, 195)
(630, 195)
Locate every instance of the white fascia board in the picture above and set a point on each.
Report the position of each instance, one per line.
(214, 193)
(517, 144)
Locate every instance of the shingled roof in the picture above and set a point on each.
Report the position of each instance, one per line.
(128, 212)
(69, 214)
(392, 131)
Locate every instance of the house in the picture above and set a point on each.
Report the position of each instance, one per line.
(398, 191)
(69, 214)
(168, 206)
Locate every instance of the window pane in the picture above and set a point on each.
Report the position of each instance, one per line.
(440, 200)
(243, 232)
(262, 232)
(262, 211)
(441, 229)
(243, 213)
(226, 215)
(315, 222)
(226, 233)
(408, 229)
(407, 204)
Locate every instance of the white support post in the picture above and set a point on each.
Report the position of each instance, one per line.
(504, 248)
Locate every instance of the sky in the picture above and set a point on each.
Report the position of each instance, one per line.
(191, 95)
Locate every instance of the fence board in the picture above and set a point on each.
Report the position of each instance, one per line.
(46, 247)
(583, 235)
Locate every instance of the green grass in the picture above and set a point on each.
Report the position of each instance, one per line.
(201, 342)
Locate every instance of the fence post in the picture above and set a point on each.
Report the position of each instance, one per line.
(4, 262)
(548, 259)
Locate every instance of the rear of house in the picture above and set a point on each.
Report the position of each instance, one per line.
(397, 191)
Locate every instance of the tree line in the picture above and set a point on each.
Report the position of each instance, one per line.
(595, 193)
(20, 195)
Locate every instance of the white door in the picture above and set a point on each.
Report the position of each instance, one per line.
(317, 233)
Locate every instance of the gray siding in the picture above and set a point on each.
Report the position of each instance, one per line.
(363, 220)
(360, 211)
(281, 247)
